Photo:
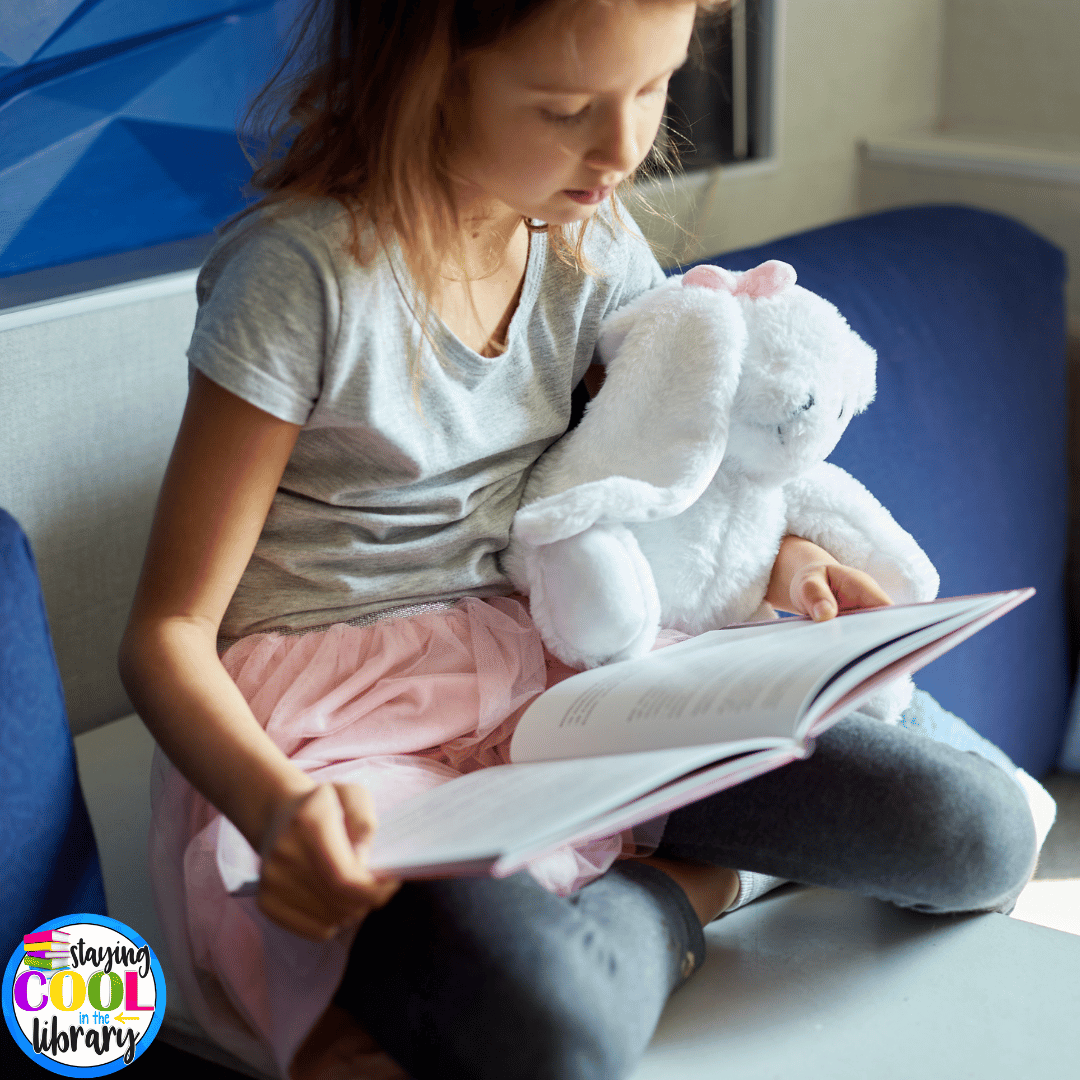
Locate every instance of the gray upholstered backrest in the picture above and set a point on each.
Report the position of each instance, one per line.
(91, 392)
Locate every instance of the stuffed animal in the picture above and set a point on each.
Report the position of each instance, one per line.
(724, 393)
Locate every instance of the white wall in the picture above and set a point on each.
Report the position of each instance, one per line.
(849, 69)
(1008, 136)
(1012, 66)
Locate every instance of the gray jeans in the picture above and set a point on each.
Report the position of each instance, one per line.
(484, 979)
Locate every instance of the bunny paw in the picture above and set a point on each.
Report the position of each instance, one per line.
(592, 597)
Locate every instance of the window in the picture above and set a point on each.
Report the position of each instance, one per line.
(720, 107)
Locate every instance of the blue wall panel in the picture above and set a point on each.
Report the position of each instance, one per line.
(118, 117)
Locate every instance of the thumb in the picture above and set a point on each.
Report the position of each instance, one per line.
(358, 813)
(814, 596)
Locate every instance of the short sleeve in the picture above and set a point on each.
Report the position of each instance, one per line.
(638, 266)
(269, 305)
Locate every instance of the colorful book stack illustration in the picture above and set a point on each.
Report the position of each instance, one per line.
(48, 950)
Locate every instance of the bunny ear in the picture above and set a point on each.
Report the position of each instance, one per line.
(865, 364)
(768, 279)
(653, 438)
(615, 327)
(711, 277)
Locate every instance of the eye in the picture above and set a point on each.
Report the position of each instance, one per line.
(564, 118)
(840, 415)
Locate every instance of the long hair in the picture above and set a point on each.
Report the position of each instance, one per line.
(363, 108)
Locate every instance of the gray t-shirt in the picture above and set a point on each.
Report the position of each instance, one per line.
(382, 505)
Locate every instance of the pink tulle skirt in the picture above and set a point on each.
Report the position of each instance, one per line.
(398, 704)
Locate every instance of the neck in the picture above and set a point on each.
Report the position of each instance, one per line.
(488, 230)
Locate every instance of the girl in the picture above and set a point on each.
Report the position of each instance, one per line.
(383, 349)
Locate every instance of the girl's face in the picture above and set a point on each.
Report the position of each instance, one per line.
(561, 112)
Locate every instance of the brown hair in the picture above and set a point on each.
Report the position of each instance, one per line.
(362, 109)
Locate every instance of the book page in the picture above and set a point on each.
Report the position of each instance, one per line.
(482, 814)
(749, 686)
(685, 789)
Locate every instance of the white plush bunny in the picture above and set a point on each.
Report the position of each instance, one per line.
(724, 393)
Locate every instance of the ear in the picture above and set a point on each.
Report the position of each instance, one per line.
(769, 279)
(653, 438)
(707, 276)
(866, 366)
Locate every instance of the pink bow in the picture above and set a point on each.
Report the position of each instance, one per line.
(768, 279)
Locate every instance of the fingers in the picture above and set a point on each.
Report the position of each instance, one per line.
(290, 914)
(315, 881)
(822, 590)
(854, 589)
(811, 593)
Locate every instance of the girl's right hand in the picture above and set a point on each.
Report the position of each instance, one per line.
(315, 881)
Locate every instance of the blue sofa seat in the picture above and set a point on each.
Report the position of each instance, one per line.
(48, 858)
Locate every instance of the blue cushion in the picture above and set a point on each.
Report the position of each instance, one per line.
(965, 443)
(48, 858)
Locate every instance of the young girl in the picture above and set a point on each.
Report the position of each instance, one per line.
(383, 349)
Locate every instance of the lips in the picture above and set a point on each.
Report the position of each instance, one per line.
(589, 196)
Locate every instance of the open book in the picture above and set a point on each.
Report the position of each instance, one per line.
(618, 745)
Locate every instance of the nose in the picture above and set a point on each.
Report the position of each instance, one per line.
(615, 144)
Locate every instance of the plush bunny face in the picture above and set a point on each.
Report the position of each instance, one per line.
(804, 374)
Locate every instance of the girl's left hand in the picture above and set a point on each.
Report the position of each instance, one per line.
(807, 580)
(822, 590)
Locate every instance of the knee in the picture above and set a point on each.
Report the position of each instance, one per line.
(565, 1040)
(977, 841)
(547, 1027)
(584, 1010)
(500, 980)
